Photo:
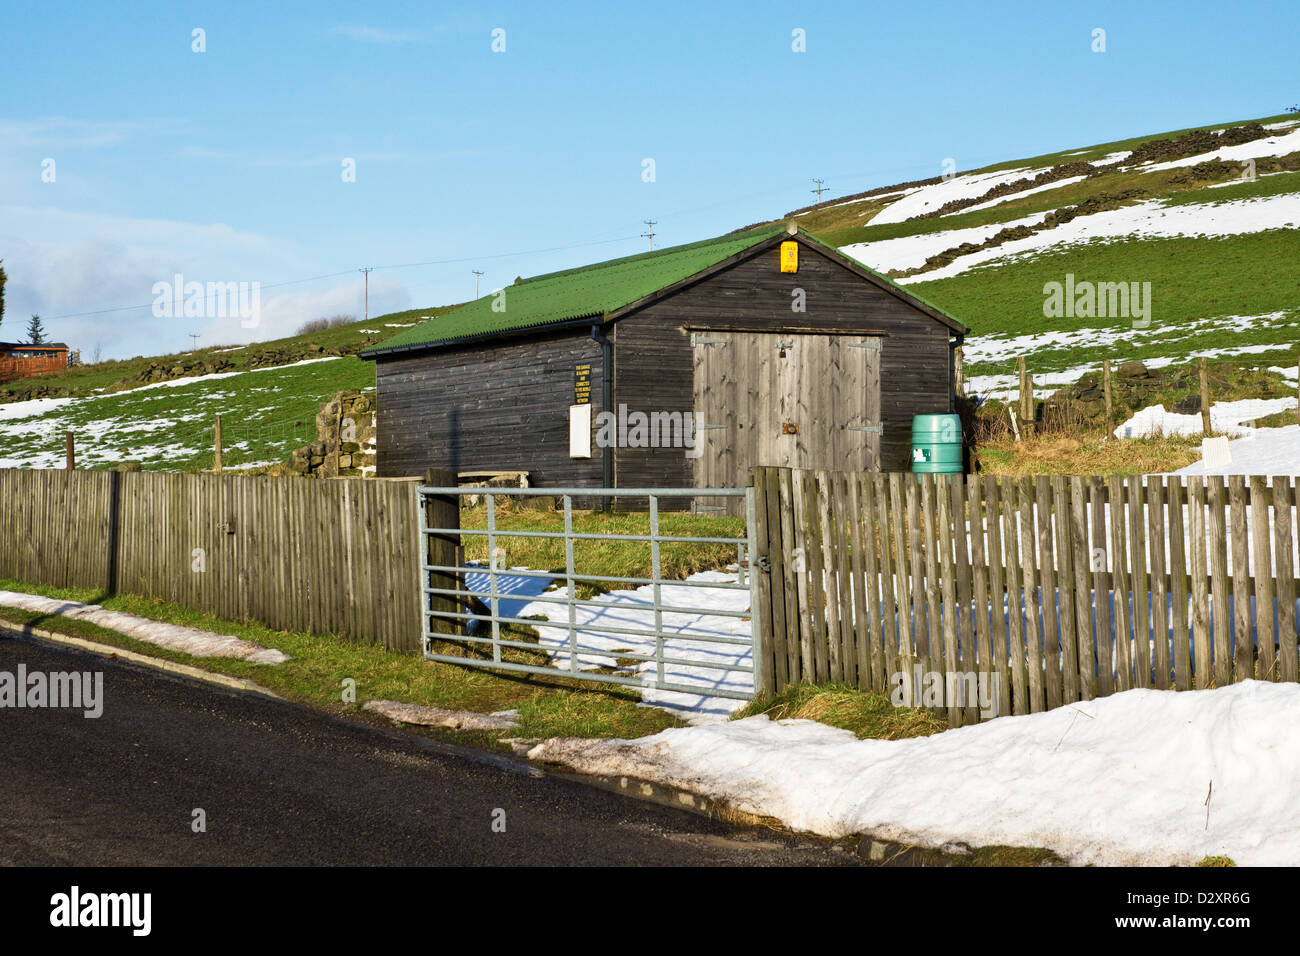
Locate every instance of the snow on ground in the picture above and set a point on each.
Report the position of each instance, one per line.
(1264, 451)
(1069, 181)
(39, 406)
(174, 637)
(1278, 145)
(1110, 158)
(1144, 777)
(979, 349)
(1149, 219)
(191, 379)
(35, 406)
(701, 641)
(932, 197)
(1231, 418)
(1237, 182)
(1007, 387)
(910, 252)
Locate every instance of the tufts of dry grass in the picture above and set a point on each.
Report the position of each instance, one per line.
(866, 715)
(1087, 454)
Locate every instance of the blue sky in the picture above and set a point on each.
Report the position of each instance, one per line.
(226, 165)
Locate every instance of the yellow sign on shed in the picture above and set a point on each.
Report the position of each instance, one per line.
(789, 257)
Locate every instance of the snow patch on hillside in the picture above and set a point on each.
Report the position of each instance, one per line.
(910, 252)
(1068, 181)
(1149, 219)
(1256, 149)
(929, 198)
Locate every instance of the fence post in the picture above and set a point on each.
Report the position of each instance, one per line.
(71, 448)
(958, 373)
(216, 448)
(1205, 398)
(1110, 407)
(760, 584)
(1026, 398)
(441, 511)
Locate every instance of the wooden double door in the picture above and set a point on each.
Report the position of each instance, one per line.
(795, 400)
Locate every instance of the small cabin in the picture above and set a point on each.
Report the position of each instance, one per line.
(682, 367)
(23, 360)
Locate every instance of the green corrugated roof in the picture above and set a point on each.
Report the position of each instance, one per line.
(596, 290)
(578, 293)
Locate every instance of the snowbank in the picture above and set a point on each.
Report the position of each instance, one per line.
(1265, 451)
(174, 637)
(1230, 418)
(1140, 778)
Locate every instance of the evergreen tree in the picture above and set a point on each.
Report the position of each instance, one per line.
(36, 331)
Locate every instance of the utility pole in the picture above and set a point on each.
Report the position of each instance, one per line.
(367, 272)
(650, 232)
(821, 185)
(477, 273)
(194, 341)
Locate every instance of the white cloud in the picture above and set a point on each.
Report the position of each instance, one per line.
(63, 263)
(376, 35)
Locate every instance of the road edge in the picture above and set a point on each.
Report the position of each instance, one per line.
(241, 684)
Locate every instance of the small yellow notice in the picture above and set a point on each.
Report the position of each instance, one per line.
(789, 257)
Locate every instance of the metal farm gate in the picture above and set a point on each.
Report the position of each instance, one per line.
(696, 637)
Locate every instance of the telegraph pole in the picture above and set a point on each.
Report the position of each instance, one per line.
(367, 272)
(477, 273)
(650, 232)
(821, 185)
(194, 341)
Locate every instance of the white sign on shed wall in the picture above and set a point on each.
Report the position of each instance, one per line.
(579, 431)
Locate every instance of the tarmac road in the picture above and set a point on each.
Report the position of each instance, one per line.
(281, 784)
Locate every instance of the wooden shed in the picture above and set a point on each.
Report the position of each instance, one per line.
(682, 367)
(24, 360)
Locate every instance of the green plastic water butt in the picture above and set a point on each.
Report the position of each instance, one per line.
(936, 444)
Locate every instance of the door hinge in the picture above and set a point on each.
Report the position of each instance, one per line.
(697, 339)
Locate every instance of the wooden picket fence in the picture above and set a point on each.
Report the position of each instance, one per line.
(330, 557)
(1065, 588)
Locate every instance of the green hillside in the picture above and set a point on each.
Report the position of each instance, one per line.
(159, 410)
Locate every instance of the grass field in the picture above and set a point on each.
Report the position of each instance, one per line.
(265, 414)
(612, 558)
(1208, 295)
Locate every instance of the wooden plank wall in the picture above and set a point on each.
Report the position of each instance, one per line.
(1065, 588)
(334, 557)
